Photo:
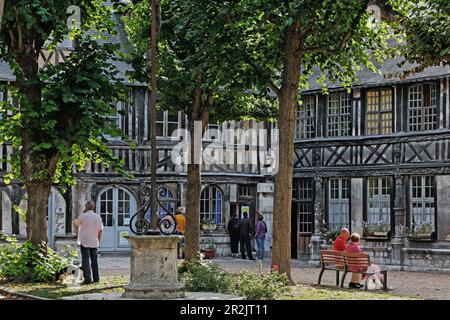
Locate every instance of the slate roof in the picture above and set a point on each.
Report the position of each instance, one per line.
(389, 76)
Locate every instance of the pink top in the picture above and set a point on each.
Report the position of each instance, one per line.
(353, 248)
(89, 224)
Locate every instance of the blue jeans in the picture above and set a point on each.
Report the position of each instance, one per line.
(260, 243)
(91, 253)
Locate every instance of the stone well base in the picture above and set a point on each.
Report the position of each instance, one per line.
(173, 292)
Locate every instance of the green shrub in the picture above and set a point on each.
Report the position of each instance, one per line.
(49, 263)
(260, 286)
(202, 277)
(15, 257)
(208, 277)
(39, 264)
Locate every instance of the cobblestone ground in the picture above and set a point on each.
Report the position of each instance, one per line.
(411, 284)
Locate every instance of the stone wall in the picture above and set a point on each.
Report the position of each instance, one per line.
(220, 239)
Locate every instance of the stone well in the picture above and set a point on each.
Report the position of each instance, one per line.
(153, 268)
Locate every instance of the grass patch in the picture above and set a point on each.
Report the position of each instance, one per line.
(55, 290)
(309, 292)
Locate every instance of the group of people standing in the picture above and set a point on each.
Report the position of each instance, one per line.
(241, 232)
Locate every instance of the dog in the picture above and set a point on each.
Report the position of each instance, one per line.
(71, 275)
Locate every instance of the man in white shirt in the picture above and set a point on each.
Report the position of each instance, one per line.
(90, 229)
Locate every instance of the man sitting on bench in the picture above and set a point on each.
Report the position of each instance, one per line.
(340, 244)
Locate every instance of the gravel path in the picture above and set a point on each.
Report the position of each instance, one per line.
(411, 284)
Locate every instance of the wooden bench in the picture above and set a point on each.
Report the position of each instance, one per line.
(331, 260)
(360, 261)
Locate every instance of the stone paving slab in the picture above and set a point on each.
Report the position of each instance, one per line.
(189, 296)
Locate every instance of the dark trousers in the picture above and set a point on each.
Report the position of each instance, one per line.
(86, 254)
(246, 245)
(234, 243)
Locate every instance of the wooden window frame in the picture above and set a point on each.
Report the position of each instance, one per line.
(379, 112)
(339, 116)
(339, 199)
(305, 123)
(422, 112)
(410, 219)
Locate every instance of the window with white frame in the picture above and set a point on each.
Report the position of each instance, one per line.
(379, 203)
(339, 204)
(303, 195)
(115, 206)
(423, 206)
(379, 111)
(115, 121)
(211, 204)
(422, 107)
(245, 191)
(339, 113)
(213, 133)
(166, 123)
(305, 120)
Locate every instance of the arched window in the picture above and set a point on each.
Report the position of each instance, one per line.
(211, 204)
(167, 200)
(115, 202)
(115, 206)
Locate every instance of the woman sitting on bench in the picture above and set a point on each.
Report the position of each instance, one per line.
(354, 247)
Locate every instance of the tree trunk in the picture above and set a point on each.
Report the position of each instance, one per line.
(192, 232)
(193, 212)
(2, 9)
(37, 209)
(281, 249)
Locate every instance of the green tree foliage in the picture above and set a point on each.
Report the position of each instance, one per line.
(196, 38)
(201, 72)
(284, 42)
(425, 25)
(59, 113)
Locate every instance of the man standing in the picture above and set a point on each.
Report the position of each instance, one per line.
(90, 229)
(233, 230)
(245, 231)
(340, 244)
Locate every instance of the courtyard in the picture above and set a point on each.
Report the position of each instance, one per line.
(418, 285)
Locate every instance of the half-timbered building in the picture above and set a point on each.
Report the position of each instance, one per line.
(374, 159)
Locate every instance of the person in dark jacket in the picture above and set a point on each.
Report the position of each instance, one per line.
(245, 231)
(233, 229)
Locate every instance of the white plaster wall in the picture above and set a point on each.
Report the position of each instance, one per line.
(59, 213)
(22, 223)
(6, 214)
(265, 207)
(357, 205)
(443, 207)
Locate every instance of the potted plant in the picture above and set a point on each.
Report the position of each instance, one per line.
(209, 252)
(420, 231)
(208, 225)
(331, 235)
(377, 229)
